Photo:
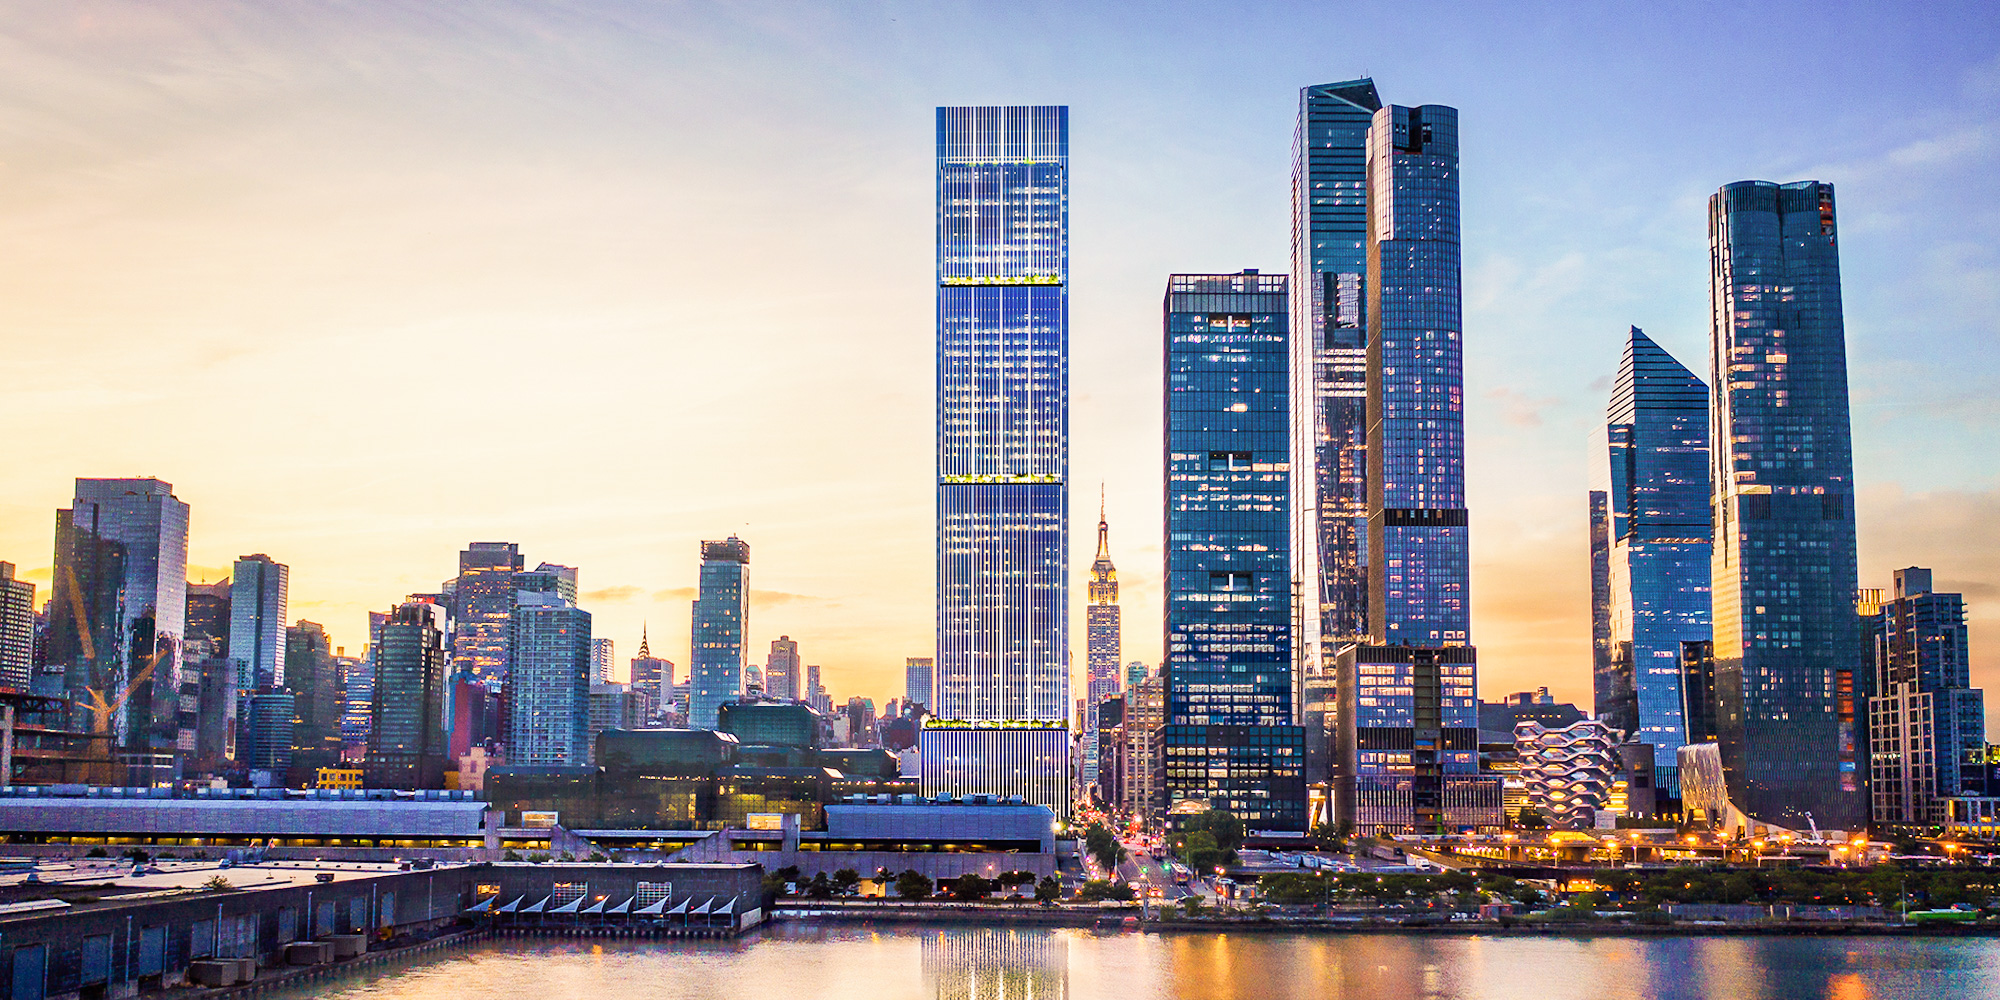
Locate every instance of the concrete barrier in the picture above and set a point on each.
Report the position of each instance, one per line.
(210, 972)
(348, 945)
(309, 952)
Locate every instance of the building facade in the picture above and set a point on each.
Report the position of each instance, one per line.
(781, 669)
(1003, 413)
(721, 620)
(406, 742)
(116, 613)
(603, 660)
(1927, 724)
(482, 602)
(1569, 772)
(1231, 737)
(917, 674)
(1788, 671)
(259, 600)
(1003, 759)
(17, 629)
(547, 694)
(654, 674)
(1330, 360)
(1144, 780)
(317, 699)
(1657, 546)
(1103, 643)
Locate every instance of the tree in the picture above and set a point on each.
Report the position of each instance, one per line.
(846, 880)
(970, 888)
(1099, 889)
(1103, 847)
(1048, 890)
(913, 886)
(1530, 819)
(820, 887)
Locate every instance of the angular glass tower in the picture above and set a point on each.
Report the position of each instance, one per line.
(1657, 550)
(115, 618)
(1417, 562)
(721, 620)
(482, 602)
(1003, 413)
(1787, 636)
(1231, 739)
(548, 682)
(259, 595)
(1330, 357)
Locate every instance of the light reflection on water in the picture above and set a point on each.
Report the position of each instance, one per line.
(846, 962)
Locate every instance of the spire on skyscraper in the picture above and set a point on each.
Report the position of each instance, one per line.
(644, 653)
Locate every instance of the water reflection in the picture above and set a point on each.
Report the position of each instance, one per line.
(849, 962)
(1006, 964)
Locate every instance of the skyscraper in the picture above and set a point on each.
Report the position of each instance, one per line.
(1330, 358)
(1787, 651)
(548, 682)
(1417, 561)
(316, 701)
(1231, 739)
(1003, 412)
(603, 657)
(259, 598)
(406, 744)
(117, 609)
(1927, 724)
(917, 672)
(1657, 547)
(17, 629)
(1407, 745)
(652, 673)
(1102, 643)
(721, 620)
(781, 669)
(482, 601)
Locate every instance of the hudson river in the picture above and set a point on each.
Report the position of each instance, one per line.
(840, 962)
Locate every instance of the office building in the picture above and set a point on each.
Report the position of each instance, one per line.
(781, 670)
(1788, 662)
(816, 695)
(1497, 719)
(1136, 673)
(482, 601)
(267, 736)
(548, 683)
(1103, 643)
(1143, 782)
(917, 674)
(259, 596)
(357, 679)
(1003, 413)
(1232, 740)
(406, 744)
(1330, 229)
(603, 657)
(116, 613)
(17, 629)
(721, 620)
(1406, 757)
(1927, 724)
(653, 674)
(217, 725)
(1656, 530)
(1025, 758)
(310, 675)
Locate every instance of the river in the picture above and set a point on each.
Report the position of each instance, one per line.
(845, 962)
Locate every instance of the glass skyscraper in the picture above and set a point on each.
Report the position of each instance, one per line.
(115, 618)
(1927, 724)
(1417, 560)
(482, 602)
(1003, 413)
(1787, 636)
(548, 682)
(1657, 546)
(1406, 758)
(1231, 739)
(406, 741)
(721, 620)
(1330, 356)
(259, 596)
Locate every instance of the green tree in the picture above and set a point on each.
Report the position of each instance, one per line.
(1103, 846)
(913, 886)
(846, 880)
(970, 888)
(1048, 890)
(1099, 889)
(820, 887)
(1529, 819)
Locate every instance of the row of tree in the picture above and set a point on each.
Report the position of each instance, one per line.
(1881, 885)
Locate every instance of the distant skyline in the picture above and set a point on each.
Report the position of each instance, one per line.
(368, 283)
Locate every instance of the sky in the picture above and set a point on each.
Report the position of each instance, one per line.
(370, 281)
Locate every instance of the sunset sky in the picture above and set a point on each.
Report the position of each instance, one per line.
(370, 281)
